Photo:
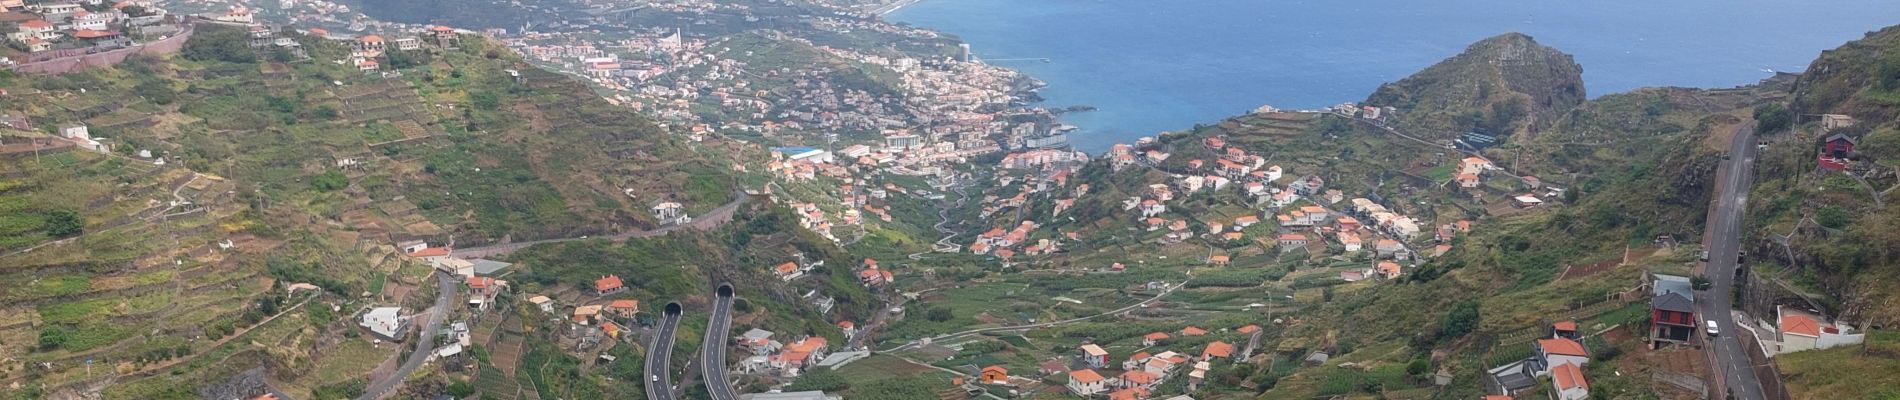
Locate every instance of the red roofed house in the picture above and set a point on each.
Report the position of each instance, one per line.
(1389, 270)
(1193, 331)
(444, 36)
(1565, 330)
(1249, 329)
(1086, 383)
(1135, 361)
(1800, 330)
(796, 355)
(787, 271)
(1568, 381)
(1217, 349)
(431, 254)
(1129, 394)
(1053, 367)
(35, 28)
(1138, 379)
(624, 307)
(1555, 352)
(1468, 181)
(609, 284)
(1153, 338)
(1292, 241)
(995, 375)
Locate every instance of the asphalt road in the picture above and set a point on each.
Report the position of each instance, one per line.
(425, 343)
(660, 356)
(712, 355)
(1734, 177)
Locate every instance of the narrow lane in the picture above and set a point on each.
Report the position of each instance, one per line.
(1734, 372)
(425, 342)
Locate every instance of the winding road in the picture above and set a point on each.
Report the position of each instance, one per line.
(425, 342)
(711, 219)
(1733, 370)
(659, 382)
(943, 217)
(712, 357)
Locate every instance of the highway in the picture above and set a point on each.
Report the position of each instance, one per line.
(1732, 367)
(660, 356)
(712, 357)
(425, 342)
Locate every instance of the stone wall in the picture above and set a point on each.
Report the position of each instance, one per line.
(65, 64)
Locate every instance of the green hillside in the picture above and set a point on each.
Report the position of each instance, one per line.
(1504, 85)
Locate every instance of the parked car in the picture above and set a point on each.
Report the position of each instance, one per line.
(1711, 328)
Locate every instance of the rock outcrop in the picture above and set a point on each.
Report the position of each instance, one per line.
(1505, 84)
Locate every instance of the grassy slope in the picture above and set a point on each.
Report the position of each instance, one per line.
(255, 144)
(1845, 246)
(1844, 372)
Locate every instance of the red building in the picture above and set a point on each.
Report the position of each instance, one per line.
(1672, 311)
(1835, 152)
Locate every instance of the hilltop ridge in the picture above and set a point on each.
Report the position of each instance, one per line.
(1504, 84)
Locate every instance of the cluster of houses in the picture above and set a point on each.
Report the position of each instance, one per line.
(1471, 172)
(870, 275)
(80, 25)
(1041, 157)
(1142, 371)
(1561, 357)
(1003, 243)
(794, 164)
(370, 52)
(767, 355)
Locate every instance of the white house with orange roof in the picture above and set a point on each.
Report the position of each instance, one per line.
(1800, 330)
(787, 271)
(1474, 165)
(1087, 382)
(34, 28)
(1567, 382)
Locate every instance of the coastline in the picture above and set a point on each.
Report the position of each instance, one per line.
(886, 9)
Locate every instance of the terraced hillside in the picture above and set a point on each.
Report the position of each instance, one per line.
(247, 207)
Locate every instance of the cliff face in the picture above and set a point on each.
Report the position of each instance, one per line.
(1504, 84)
(1860, 78)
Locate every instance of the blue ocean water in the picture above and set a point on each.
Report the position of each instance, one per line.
(1156, 65)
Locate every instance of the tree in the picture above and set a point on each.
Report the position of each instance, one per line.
(62, 223)
(330, 181)
(52, 337)
(1462, 319)
(216, 43)
(938, 314)
(1417, 367)
(1772, 117)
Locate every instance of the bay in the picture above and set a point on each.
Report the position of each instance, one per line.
(1150, 66)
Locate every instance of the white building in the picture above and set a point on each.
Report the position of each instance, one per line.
(386, 323)
(1801, 331)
